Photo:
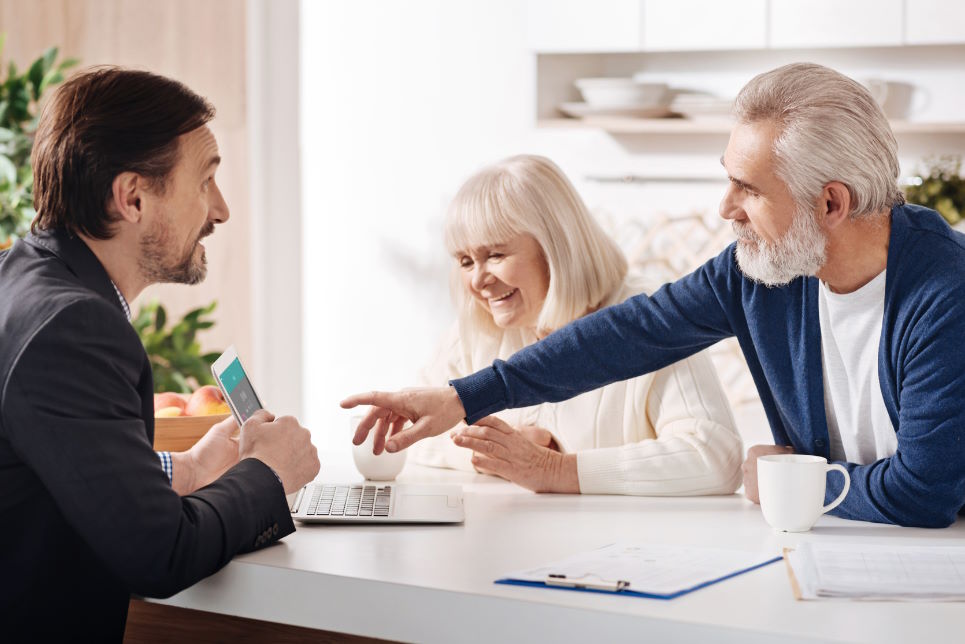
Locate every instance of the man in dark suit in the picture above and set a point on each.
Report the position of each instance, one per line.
(124, 168)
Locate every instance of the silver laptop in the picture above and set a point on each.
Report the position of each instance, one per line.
(378, 502)
(366, 502)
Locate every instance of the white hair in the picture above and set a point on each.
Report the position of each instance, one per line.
(530, 195)
(831, 129)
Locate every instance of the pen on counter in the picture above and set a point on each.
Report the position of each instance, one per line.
(561, 580)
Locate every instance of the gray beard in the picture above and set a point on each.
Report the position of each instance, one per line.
(802, 251)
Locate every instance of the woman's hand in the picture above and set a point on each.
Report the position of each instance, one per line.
(523, 458)
(539, 436)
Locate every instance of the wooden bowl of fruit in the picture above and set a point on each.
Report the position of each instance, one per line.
(181, 419)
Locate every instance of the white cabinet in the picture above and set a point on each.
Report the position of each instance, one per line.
(835, 23)
(934, 22)
(695, 25)
(584, 25)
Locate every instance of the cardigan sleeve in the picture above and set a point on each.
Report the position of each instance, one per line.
(697, 449)
(641, 335)
(446, 363)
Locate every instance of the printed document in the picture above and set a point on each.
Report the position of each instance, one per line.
(895, 572)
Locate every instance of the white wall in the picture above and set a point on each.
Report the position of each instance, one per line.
(401, 101)
(275, 250)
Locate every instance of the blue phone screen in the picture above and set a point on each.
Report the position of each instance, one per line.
(239, 390)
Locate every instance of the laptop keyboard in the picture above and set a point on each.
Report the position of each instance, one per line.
(349, 501)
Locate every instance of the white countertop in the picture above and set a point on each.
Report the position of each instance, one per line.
(435, 583)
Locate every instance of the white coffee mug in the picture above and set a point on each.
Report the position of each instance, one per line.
(898, 100)
(791, 488)
(384, 467)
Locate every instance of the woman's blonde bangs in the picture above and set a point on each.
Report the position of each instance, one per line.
(481, 214)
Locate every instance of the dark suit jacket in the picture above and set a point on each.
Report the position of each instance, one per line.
(87, 514)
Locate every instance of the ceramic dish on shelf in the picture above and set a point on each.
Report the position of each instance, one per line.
(581, 110)
(621, 92)
(702, 106)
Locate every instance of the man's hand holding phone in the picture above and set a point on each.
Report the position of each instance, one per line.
(283, 445)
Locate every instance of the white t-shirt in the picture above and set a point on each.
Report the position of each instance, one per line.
(859, 426)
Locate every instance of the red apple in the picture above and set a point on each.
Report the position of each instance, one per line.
(168, 399)
(168, 412)
(206, 401)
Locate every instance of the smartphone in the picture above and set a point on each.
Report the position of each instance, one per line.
(235, 385)
(233, 381)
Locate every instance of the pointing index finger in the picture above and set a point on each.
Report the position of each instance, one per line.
(374, 398)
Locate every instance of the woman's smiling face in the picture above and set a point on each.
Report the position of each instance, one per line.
(509, 280)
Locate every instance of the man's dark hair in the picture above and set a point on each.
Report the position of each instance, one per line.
(100, 123)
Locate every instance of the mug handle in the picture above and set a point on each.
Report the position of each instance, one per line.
(844, 492)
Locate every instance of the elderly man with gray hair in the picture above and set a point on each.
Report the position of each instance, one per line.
(849, 306)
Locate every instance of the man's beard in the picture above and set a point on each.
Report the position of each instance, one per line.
(802, 251)
(156, 267)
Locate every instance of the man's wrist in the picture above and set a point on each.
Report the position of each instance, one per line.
(184, 475)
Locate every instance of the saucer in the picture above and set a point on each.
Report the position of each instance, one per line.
(581, 110)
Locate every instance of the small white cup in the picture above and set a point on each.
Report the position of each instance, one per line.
(791, 489)
(384, 467)
(898, 100)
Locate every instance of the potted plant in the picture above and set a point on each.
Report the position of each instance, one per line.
(940, 187)
(20, 96)
(186, 401)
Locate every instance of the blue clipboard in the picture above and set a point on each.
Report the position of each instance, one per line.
(591, 583)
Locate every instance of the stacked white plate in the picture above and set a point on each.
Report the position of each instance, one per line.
(695, 105)
(619, 97)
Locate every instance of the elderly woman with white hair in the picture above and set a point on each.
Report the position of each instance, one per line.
(529, 259)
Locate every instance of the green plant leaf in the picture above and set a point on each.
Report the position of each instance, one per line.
(160, 319)
(176, 359)
(181, 382)
(942, 187)
(51, 78)
(8, 171)
(19, 97)
(35, 75)
(48, 59)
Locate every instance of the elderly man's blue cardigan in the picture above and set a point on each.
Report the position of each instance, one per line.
(921, 363)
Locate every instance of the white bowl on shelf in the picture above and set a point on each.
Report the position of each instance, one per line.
(621, 92)
(696, 105)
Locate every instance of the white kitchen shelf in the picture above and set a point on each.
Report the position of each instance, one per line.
(615, 125)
